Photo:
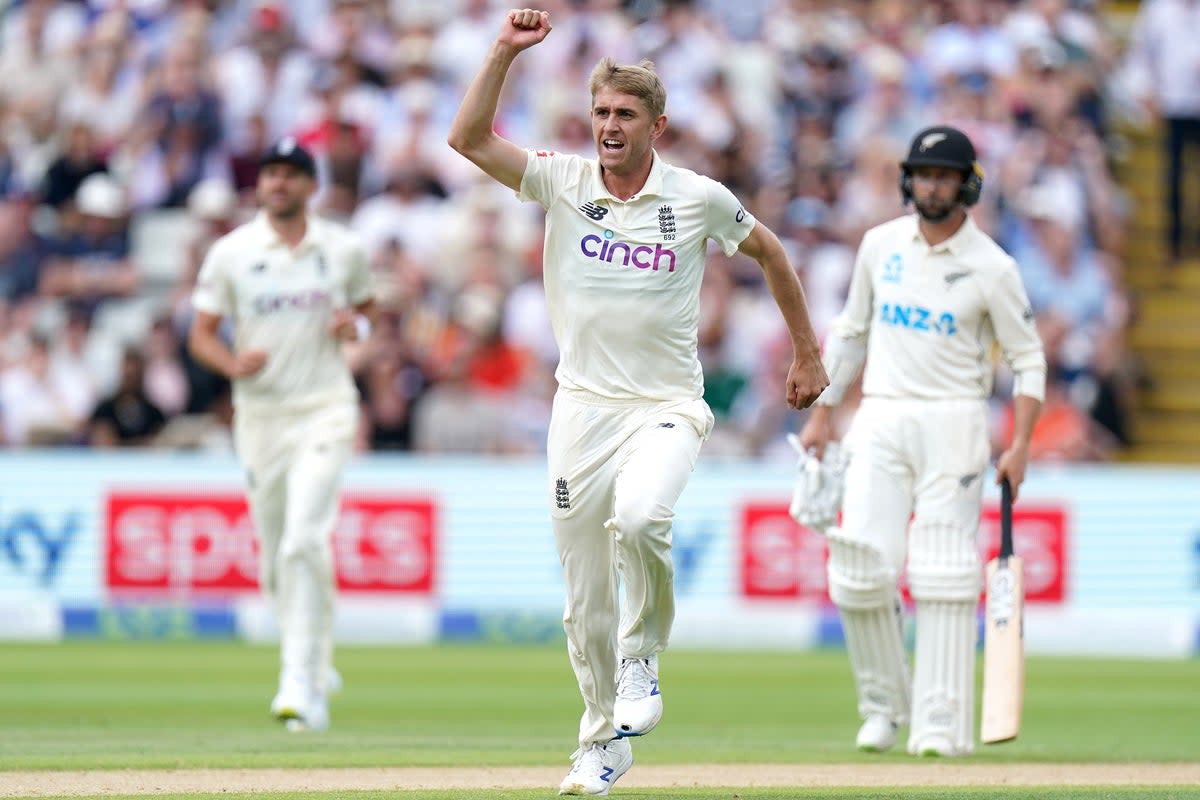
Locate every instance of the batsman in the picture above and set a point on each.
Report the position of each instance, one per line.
(930, 297)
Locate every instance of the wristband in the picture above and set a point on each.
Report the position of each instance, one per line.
(363, 326)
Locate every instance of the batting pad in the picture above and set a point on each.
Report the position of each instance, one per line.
(864, 589)
(944, 683)
(943, 563)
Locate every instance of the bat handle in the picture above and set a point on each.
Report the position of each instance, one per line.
(1006, 538)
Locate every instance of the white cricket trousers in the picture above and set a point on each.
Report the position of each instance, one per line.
(923, 459)
(294, 462)
(926, 459)
(616, 472)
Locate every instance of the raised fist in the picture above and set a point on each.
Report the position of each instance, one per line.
(523, 28)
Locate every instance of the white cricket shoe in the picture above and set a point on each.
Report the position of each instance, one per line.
(597, 767)
(333, 681)
(639, 704)
(877, 734)
(300, 707)
(936, 746)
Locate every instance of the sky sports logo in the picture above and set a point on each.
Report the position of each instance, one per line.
(642, 256)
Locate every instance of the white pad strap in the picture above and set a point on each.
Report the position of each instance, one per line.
(843, 359)
(944, 682)
(864, 589)
(943, 563)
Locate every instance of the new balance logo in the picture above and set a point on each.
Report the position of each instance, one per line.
(562, 495)
(665, 425)
(321, 265)
(604, 776)
(593, 211)
(967, 480)
(954, 277)
(654, 687)
(259, 267)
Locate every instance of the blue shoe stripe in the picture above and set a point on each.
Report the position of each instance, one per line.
(654, 690)
(604, 776)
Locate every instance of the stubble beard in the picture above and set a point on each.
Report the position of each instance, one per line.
(935, 211)
(287, 211)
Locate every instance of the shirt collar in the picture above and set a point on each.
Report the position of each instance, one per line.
(653, 186)
(956, 245)
(271, 237)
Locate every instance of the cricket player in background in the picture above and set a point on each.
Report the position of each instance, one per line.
(929, 297)
(626, 236)
(294, 287)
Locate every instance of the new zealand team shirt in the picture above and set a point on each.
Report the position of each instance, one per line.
(623, 277)
(281, 301)
(933, 315)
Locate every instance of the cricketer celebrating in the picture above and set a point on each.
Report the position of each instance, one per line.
(294, 286)
(929, 297)
(625, 243)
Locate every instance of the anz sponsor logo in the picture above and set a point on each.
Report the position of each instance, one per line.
(642, 256)
(274, 302)
(917, 318)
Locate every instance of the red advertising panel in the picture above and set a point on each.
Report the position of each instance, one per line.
(203, 543)
(1040, 538)
(781, 559)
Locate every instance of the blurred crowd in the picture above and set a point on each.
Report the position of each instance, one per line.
(130, 131)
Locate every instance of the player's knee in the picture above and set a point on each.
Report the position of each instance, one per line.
(943, 562)
(638, 521)
(305, 548)
(859, 575)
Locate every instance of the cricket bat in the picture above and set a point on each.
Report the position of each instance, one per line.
(1004, 636)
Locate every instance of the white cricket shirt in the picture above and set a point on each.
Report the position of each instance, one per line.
(281, 301)
(933, 315)
(623, 277)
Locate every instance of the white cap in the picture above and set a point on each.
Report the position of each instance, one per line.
(100, 196)
(212, 199)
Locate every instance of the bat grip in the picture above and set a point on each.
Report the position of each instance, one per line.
(1006, 538)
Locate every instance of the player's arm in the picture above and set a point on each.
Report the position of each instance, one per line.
(206, 346)
(845, 352)
(1013, 320)
(472, 132)
(806, 377)
(354, 324)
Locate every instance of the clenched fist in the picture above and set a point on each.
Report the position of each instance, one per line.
(523, 28)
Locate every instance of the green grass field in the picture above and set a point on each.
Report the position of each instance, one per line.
(107, 706)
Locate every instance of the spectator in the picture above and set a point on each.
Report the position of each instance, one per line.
(263, 81)
(127, 418)
(36, 405)
(80, 158)
(1162, 52)
(92, 262)
(107, 95)
(21, 251)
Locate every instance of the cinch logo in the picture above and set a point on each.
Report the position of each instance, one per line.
(301, 301)
(643, 256)
(917, 318)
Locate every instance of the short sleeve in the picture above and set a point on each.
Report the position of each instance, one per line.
(547, 173)
(726, 222)
(359, 284)
(213, 294)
